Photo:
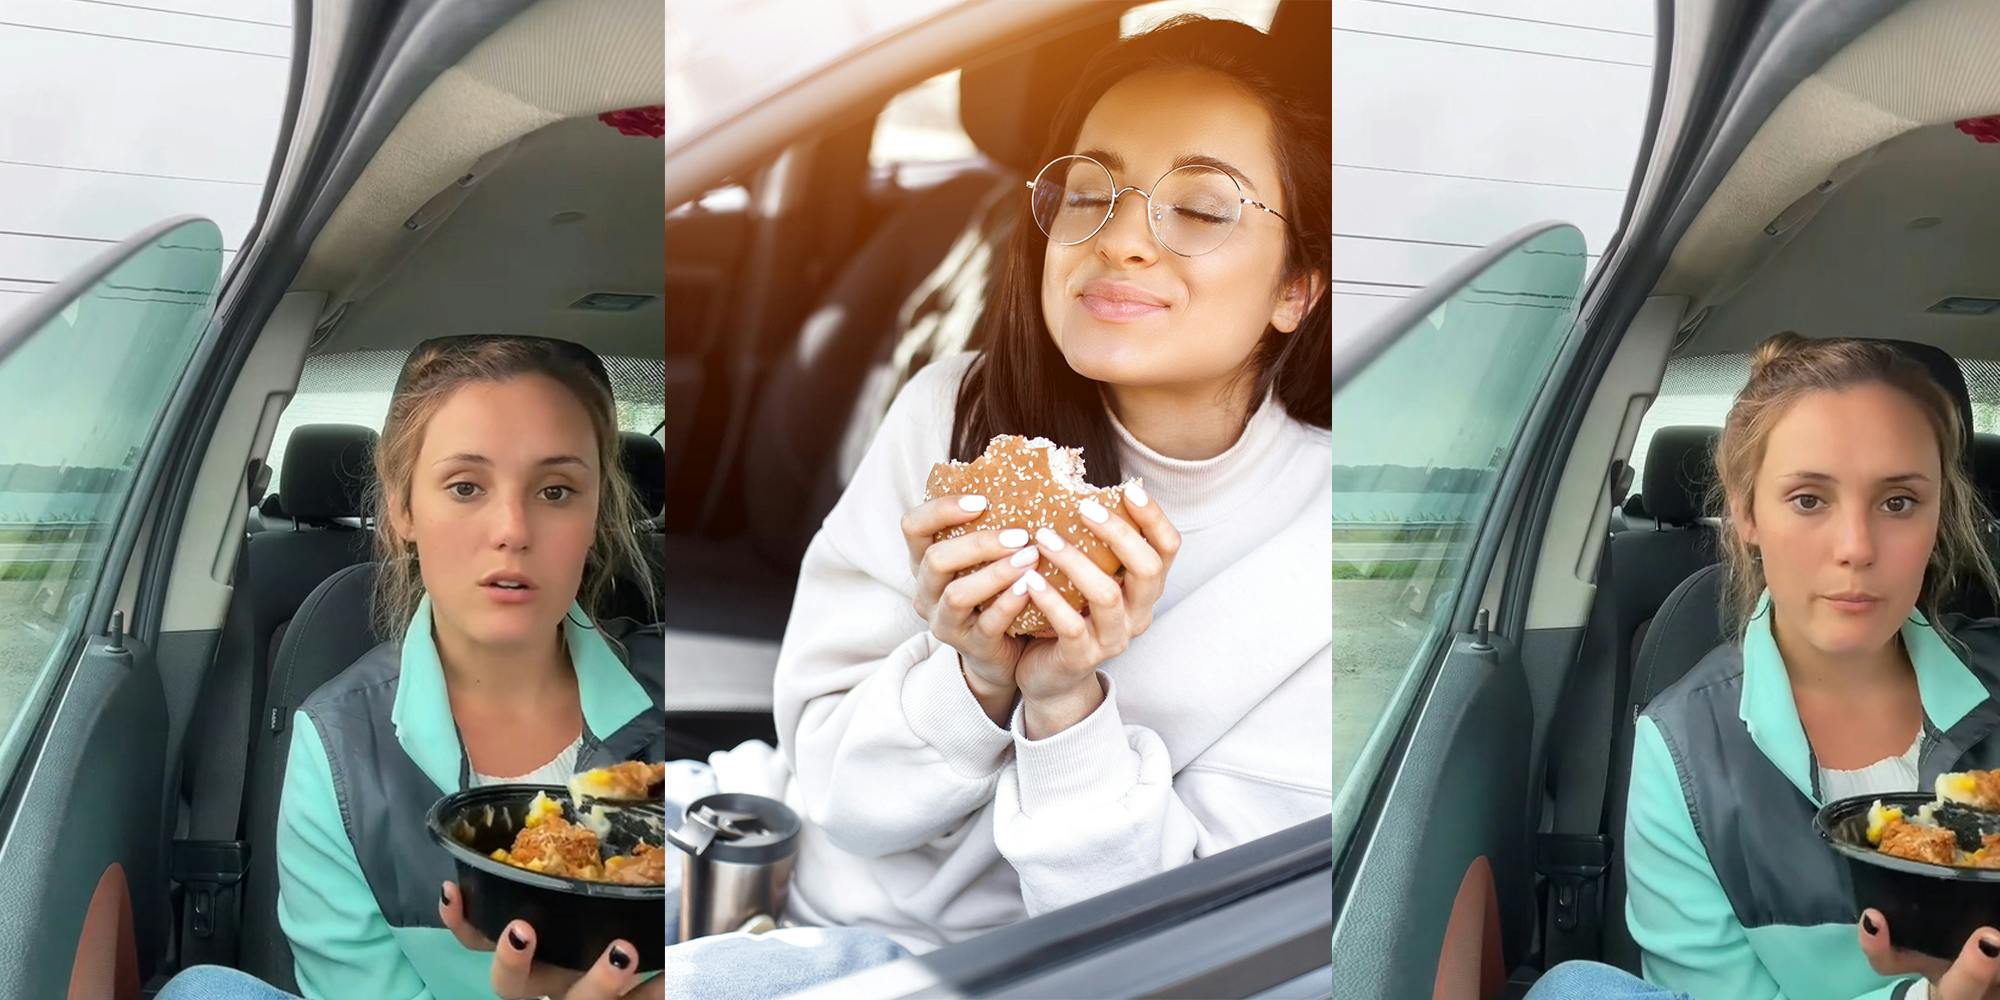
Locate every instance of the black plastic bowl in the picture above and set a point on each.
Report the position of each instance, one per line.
(1931, 908)
(574, 920)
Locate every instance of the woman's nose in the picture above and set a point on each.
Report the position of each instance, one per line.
(510, 524)
(1125, 236)
(1857, 538)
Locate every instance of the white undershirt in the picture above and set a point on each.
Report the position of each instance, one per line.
(555, 772)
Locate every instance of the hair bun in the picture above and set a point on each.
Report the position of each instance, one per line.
(1775, 349)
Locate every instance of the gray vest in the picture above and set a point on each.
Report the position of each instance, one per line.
(384, 796)
(1754, 825)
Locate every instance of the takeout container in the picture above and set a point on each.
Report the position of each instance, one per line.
(574, 919)
(1931, 909)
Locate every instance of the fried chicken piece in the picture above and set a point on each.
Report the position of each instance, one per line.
(555, 846)
(1934, 844)
(646, 865)
(629, 781)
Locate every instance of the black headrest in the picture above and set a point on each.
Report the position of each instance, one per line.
(1986, 469)
(645, 461)
(1007, 105)
(1680, 466)
(327, 471)
(1944, 368)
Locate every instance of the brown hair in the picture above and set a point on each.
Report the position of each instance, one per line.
(1786, 368)
(436, 370)
(1020, 383)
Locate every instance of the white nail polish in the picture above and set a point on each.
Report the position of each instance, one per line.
(1020, 586)
(1035, 581)
(1093, 512)
(1137, 494)
(1026, 557)
(1049, 539)
(1014, 538)
(972, 503)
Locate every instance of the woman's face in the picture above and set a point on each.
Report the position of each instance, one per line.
(1845, 516)
(1126, 311)
(503, 509)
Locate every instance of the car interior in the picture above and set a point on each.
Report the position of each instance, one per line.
(1865, 204)
(506, 199)
(764, 340)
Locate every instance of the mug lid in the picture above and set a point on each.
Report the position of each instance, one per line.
(739, 829)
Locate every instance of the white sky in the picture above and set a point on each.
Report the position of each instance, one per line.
(115, 115)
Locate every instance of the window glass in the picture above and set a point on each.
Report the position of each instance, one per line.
(84, 394)
(354, 387)
(116, 116)
(1442, 410)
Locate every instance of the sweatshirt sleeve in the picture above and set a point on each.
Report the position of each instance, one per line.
(341, 943)
(889, 749)
(1676, 909)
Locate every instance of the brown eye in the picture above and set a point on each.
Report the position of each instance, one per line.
(557, 494)
(463, 491)
(1807, 503)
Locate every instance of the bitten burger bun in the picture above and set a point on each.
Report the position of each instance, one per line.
(1032, 483)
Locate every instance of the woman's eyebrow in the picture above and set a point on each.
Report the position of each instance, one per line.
(1117, 164)
(1821, 477)
(474, 459)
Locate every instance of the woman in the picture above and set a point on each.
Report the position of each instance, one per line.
(1161, 307)
(502, 516)
(1851, 520)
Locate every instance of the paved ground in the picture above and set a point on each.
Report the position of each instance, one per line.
(22, 649)
(1371, 653)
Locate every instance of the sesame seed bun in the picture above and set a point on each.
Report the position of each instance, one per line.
(1032, 483)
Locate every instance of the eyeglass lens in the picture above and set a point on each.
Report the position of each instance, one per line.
(1193, 208)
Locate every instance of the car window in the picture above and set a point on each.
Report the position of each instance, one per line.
(354, 387)
(84, 393)
(1411, 494)
(1455, 124)
(1697, 391)
(116, 116)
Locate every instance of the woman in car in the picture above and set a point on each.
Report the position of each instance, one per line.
(1851, 520)
(502, 515)
(1161, 306)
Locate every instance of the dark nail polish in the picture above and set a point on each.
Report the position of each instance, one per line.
(622, 961)
(444, 895)
(514, 938)
(1868, 924)
(1989, 947)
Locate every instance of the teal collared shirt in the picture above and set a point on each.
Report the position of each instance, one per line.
(343, 943)
(422, 716)
(1946, 686)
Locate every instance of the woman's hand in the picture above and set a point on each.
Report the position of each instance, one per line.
(1970, 977)
(951, 604)
(1058, 677)
(516, 976)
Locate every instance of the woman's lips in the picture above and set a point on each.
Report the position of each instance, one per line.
(1852, 604)
(508, 595)
(1112, 310)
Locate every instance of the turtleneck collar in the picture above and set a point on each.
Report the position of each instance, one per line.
(1199, 492)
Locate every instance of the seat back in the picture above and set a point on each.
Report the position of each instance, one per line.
(1651, 560)
(332, 629)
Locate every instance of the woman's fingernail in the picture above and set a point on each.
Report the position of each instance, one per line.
(1137, 494)
(1026, 557)
(1989, 947)
(444, 894)
(1014, 538)
(514, 938)
(1093, 512)
(1035, 581)
(1868, 924)
(972, 503)
(1020, 586)
(619, 959)
(1049, 539)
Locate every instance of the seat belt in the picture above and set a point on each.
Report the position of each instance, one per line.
(209, 862)
(1574, 855)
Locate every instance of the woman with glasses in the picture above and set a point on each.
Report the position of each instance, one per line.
(1161, 306)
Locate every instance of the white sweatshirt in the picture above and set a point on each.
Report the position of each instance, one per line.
(927, 822)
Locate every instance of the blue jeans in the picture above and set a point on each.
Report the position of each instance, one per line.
(1596, 981)
(213, 982)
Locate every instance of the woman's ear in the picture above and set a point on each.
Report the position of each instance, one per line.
(1741, 521)
(1300, 295)
(399, 519)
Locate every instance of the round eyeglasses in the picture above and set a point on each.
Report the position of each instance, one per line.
(1190, 210)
